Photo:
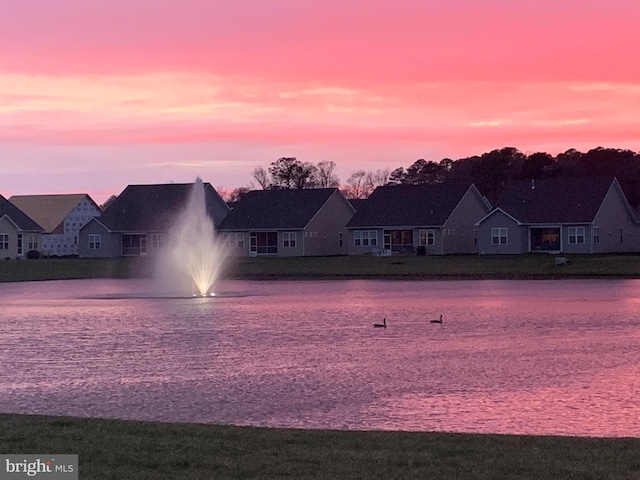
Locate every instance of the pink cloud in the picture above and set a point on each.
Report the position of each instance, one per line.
(347, 41)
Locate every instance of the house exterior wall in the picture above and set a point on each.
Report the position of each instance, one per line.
(359, 240)
(516, 235)
(437, 248)
(30, 240)
(566, 233)
(8, 228)
(67, 242)
(326, 233)
(110, 243)
(459, 233)
(236, 243)
(216, 207)
(59, 244)
(618, 231)
(290, 243)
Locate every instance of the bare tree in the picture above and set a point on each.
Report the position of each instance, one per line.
(325, 176)
(377, 179)
(261, 175)
(355, 185)
(236, 194)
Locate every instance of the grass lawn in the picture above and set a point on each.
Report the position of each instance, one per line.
(116, 449)
(408, 267)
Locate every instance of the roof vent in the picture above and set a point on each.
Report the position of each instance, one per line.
(533, 184)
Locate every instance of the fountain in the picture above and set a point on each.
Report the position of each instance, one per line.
(193, 258)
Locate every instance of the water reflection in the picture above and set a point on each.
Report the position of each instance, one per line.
(542, 357)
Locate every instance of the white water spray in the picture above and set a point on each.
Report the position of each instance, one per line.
(193, 258)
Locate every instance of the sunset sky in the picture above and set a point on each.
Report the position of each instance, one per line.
(98, 94)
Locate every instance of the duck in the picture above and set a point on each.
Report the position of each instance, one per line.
(437, 321)
(381, 325)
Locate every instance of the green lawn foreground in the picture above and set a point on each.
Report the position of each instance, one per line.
(117, 449)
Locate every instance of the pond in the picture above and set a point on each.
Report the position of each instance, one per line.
(520, 357)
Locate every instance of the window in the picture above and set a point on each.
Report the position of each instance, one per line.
(596, 235)
(398, 240)
(95, 241)
(32, 241)
(621, 235)
(499, 236)
(157, 240)
(19, 244)
(576, 235)
(427, 237)
(263, 243)
(134, 244)
(364, 238)
(4, 241)
(234, 239)
(289, 239)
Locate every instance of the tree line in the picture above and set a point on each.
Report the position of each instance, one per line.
(489, 172)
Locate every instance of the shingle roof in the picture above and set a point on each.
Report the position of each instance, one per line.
(554, 200)
(358, 203)
(409, 205)
(49, 211)
(151, 207)
(17, 216)
(276, 209)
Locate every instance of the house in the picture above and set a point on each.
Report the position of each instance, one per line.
(61, 217)
(571, 215)
(308, 222)
(431, 219)
(19, 233)
(136, 223)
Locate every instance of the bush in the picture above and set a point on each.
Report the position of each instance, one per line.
(33, 254)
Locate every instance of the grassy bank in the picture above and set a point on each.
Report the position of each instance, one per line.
(409, 267)
(115, 449)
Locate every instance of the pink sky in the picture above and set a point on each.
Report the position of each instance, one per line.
(98, 94)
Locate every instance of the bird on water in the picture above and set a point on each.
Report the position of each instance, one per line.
(381, 325)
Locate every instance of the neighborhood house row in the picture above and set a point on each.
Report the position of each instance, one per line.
(569, 215)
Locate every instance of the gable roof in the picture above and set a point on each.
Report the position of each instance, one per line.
(141, 208)
(276, 209)
(17, 216)
(554, 200)
(409, 205)
(358, 203)
(49, 211)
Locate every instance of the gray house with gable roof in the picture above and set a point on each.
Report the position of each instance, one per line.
(404, 218)
(19, 233)
(136, 223)
(308, 222)
(570, 215)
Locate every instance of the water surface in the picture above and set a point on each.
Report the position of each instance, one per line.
(532, 357)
